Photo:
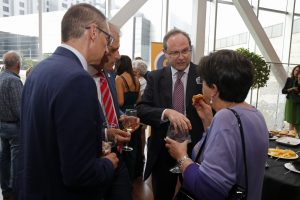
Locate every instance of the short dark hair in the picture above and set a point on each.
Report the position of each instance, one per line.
(292, 74)
(230, 71)
(172, 32)
(77, 18)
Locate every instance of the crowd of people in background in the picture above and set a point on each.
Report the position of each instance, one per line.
(73, 102)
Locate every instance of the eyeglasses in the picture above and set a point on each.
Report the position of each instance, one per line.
(184, 52)
(109, 37)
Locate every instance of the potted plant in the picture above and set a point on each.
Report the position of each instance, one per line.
(261, 70)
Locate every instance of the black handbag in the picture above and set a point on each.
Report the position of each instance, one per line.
(238, 192)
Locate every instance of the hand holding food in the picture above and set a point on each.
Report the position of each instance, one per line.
(197, 98)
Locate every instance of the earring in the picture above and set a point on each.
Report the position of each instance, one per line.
(210, 101)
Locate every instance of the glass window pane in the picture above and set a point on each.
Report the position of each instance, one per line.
(116, 5)
(142, 29)
(297, 7)
(231, 35)
(182, 19)
(19, 35)
(274, 4)
(295, 53)
(273, 24)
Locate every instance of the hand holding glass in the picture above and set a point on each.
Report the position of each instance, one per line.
(179, 137)
(129, 123)
(110, 141)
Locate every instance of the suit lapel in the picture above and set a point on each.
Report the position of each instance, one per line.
(191, 84)
(166, 87)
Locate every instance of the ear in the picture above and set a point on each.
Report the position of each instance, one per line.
(92, 32)
(214, 90)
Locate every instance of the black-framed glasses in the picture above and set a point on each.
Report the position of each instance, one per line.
(109, 37)
(183, 52)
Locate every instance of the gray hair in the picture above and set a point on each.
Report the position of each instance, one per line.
(114, 28)
(140, 66)
(11, 58)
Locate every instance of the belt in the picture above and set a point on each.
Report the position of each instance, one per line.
(8, 122)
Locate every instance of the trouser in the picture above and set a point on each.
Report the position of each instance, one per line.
(9, 134)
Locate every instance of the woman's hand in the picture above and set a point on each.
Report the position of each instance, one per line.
(293, 89)
(177, 150)
(204, 111)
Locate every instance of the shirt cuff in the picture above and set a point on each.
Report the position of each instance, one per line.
(105, 134)
(162, 118)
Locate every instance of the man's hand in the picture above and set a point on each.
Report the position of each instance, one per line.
(134, 121)
(180, 122)
(113, 158)
(119, 136)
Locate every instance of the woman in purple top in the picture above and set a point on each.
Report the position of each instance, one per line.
(227, 78)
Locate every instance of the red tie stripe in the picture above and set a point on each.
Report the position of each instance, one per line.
(107, 100)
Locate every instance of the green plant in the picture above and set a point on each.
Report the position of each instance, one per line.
(261, 69)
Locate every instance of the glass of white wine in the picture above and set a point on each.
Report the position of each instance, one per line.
(129, 123)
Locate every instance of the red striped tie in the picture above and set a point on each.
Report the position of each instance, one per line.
(107, 100)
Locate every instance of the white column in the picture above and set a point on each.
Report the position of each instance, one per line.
(198, 29)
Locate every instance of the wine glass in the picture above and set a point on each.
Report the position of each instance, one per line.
(179, 137)
(129, 123)
(108, 142)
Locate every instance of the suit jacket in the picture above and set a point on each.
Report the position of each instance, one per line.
(290, 82)
(157, 97)
(61, 133)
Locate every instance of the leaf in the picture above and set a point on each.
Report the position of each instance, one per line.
(261, 70)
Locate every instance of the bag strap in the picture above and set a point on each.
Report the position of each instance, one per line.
(125, 82)
(243, 144)
(200, 150)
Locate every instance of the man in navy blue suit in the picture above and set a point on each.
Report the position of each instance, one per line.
(61, 118)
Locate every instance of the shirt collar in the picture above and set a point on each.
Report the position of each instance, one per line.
(78, 54)
(13, 73)
(173, 70)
